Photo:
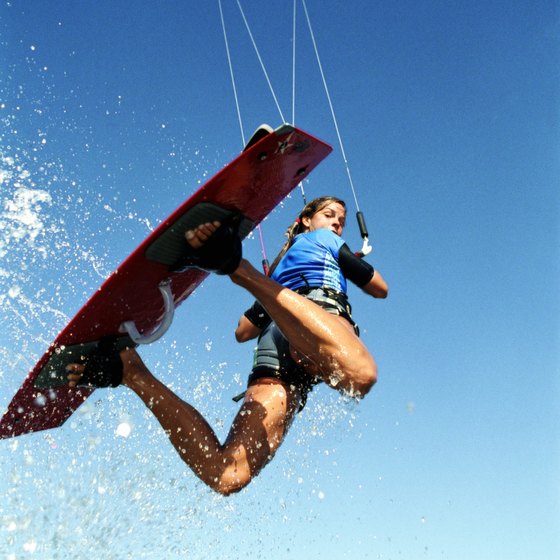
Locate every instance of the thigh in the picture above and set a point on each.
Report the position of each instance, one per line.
(313, 368)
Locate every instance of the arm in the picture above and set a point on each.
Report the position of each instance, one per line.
(362, 273)
(376, 287)
(251, 323)
(246, 330)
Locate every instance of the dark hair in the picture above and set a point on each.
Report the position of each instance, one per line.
(309, 210)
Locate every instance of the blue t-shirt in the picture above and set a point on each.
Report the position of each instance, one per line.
(312, 261)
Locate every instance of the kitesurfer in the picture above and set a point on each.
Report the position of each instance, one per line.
(306, 336)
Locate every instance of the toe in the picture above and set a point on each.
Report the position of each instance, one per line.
(204, 231)
(198, 236)
(75, 372)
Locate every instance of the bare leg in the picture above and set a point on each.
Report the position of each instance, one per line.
(324, 339)
(269, 407)
(256, 433)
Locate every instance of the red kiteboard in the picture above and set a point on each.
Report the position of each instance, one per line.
(138, 300)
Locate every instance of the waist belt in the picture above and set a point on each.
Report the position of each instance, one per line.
(329, 298)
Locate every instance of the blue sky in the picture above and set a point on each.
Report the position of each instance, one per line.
(112, 113)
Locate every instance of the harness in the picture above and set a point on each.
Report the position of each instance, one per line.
(330, 300)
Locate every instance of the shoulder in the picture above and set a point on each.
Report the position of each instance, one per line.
(325, 237)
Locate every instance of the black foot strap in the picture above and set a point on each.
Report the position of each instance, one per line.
(221, 254)
(103, 366)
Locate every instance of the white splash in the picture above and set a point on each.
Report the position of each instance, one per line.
(123, 429)
(20, 216)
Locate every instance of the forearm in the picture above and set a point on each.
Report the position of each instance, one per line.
(376, 287)
(246, 330)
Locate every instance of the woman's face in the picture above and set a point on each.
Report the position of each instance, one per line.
(332, 216)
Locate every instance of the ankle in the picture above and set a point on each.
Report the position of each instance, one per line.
(135, 371)
(245, 274)
(240, 272)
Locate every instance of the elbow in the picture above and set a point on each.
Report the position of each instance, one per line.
(240, 336)
(377, 287)
(383, 293)
(245, 330)
(381, 289)
(378, 292)
(243, 335)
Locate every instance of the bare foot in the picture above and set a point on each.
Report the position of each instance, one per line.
(198, 236)
(75, 372)
(133, 369)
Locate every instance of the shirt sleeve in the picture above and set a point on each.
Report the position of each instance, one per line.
(354, 268)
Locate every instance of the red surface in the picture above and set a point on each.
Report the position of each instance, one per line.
(250, 184)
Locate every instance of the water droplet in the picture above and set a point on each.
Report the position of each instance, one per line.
(30, 546)
(14, 291)
(124, 429)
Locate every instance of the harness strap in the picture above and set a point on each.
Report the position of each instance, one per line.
(330, 299)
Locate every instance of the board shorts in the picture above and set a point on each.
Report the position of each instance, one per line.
(272, 356)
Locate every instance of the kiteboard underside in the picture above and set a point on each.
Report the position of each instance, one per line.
(147, 287)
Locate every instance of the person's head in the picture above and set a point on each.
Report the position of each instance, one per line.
(326, 212)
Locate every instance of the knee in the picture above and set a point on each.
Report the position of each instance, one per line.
(362, 379)
(229, 488)
(367, 380)
(230, 483)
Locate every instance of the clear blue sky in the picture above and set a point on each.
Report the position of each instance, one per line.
(112, 113)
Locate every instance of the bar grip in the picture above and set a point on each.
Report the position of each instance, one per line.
(362, 224)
